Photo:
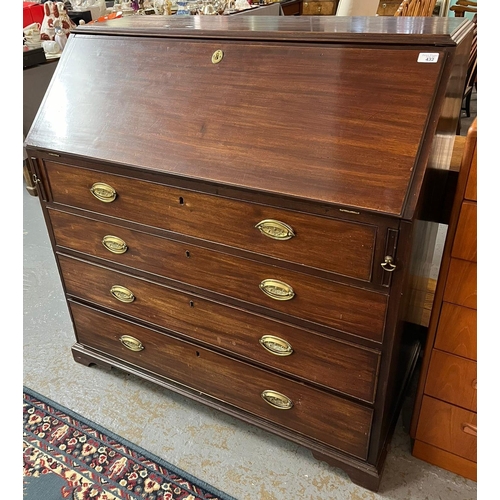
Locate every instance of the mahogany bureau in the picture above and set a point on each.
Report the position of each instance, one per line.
(233, 204)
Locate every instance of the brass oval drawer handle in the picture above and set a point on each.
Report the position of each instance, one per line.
(103, 192)
(114, 244)
(470, 429)
(275, 345)
(388, 264)
(277, 400)
(277, 290)
(122, 294)
(275, 229)
(131, 343)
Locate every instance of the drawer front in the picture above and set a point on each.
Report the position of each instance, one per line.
(388, 7)
(336, 246)
(448, 427)
(457, 331)
(465, 242)
(461, 285)
(322, 416)
(356, 311)
(327, 362)
(452, 379)
(325, 8)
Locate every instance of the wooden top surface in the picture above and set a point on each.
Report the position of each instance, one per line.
(341, 124)
(374, 29)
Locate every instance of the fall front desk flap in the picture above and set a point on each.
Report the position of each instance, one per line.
(333, 110)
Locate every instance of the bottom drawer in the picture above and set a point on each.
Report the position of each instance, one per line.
(448, 427)
(313, 413)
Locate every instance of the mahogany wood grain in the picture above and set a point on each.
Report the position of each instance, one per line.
(333, 364)
(356, 311)
(229, 222)
(326, 418)
(457, 331)
(197, 148)
(432, 31)
(452, 379)
(442, 425)
(461, 286)
(445, 460)
(465, 242)
(226, 137)
(152, 303)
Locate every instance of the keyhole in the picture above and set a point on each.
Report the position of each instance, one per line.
(217, 56)
(197, 354)
(187, 254)
(191, 303)
(181, 200)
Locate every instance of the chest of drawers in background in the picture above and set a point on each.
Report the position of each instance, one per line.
(240, 246)
(388, 7)
(319, 8)
(444, 424)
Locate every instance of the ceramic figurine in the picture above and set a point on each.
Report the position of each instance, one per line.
(55, 14)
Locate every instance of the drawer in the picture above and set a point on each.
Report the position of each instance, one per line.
(327, 362)
(325, 8)
(323, 417)
(388, 7)
(465, 242)
(457, 331)
(337, 246)
(452, 379)
(448, 427)
(353, 310)
(461, 284)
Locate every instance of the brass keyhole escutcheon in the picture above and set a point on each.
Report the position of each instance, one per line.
(217, 56)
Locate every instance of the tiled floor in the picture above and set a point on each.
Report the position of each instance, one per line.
(241, 460)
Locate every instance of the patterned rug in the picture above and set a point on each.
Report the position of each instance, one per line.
(67, 456)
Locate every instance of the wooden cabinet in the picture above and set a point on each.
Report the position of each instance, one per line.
(237, 245)
(319, 8)
(444, 423)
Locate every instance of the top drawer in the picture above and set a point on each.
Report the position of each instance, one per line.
(341, 247)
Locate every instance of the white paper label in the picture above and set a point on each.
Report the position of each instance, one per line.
(428, 57)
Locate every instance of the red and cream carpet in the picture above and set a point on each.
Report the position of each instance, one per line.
(67, 456)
